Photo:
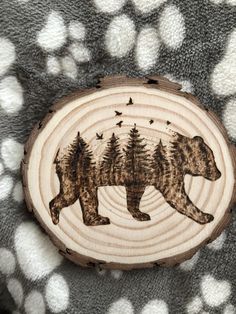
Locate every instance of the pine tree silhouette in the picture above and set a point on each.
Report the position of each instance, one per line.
(159, 160)
(137, 158)
(79, 159)
(112, 160)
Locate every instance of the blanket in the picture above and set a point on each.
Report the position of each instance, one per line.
(50, 48)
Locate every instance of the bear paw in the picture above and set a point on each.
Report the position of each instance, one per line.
(141, 216)
(54, 216)
(205, 218)
(97, 220)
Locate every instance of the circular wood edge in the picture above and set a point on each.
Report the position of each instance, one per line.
(157, 82)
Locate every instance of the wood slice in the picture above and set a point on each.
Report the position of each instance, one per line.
(132, 173)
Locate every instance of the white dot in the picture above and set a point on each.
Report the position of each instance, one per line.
(7, 55)
(7, 262)
(116, 273)
(69, 67)
(223, 76)
(77, 30)
(155, 307)
(218, 243)
(18, 192)
(12, 153)
(147, 48)
(229, 309)
(36, 254)
(6, 184)
(16, 290)
(120, 36)
(109, 6)
(171, 27)
(215, 292)
(229, 117)
(57, 293)
(188, 265)
(147, 6)
(53, 65)
(231, 2)
(53, 35)
(79, 52)
(121, 306)
(11, 94)
(186, 85)
(34, 303)
(195, 306)
(1, 169)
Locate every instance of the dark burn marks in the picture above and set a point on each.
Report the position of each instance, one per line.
(99, 136)
(134, 167)
(130, 102)
(118, 113)
(119, 124)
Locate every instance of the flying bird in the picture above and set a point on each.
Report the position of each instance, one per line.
(151, 121)
(119, 124)
(118, 113)
(130, 102)
(99, 137)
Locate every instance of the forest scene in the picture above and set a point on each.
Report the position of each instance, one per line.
(130, 165)
(135, 167)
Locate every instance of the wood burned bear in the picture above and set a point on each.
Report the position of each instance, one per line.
(135, 168)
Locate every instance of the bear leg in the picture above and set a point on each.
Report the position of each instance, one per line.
(60, 201)
(177, 198)
(89, 204)
(134, 195)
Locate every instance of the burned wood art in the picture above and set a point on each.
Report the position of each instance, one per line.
(131, 173)
(135, 168)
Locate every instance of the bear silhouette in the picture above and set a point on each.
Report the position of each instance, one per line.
(134, 167)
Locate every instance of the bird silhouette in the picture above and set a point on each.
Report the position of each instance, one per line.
(99, 137)
(119, 124)
(151, 121)
(130, 102)
(118, 113)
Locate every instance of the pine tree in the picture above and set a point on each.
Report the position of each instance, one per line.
(86, 163)
(160, 161)
(112, 160)
(137, 158)
(78, 160)
(82, 162)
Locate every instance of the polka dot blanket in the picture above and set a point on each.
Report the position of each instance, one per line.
(50, 48)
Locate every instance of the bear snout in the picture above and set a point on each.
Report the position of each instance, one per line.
(216, 175)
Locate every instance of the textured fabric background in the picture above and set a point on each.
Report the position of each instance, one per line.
(49, 48)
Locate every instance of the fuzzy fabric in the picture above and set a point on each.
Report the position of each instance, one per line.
(49, 48)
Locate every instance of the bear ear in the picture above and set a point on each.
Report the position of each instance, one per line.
(198, 139)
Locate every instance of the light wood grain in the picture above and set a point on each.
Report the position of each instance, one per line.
(169, 237)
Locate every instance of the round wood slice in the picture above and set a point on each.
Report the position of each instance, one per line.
(131, 173)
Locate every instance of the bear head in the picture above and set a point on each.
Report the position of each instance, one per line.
(201, 160)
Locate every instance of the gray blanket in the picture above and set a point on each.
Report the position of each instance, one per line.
(49, 48)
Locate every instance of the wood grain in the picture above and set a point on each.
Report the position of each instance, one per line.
(159, 111)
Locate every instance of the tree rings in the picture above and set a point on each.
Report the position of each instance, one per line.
(132, 173)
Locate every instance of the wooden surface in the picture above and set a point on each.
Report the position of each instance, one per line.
(131, 173)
